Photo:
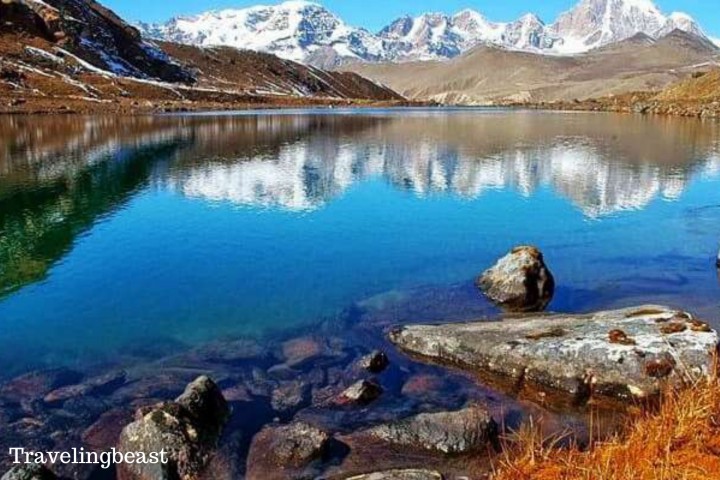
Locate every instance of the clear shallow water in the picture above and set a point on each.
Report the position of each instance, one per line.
(123, 237)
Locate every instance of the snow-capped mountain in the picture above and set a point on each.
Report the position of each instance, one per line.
(292, 30)
(433, 35)
(594, 23)
(305, 31)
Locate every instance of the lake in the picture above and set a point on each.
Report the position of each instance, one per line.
(132, 238)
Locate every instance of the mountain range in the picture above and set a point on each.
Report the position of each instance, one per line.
(492, 75)
(307, 32)
(77, 55)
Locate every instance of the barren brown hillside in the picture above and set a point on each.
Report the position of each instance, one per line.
(48, 63)
(490, 75)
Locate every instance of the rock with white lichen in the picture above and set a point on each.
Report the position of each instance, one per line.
(628, 353)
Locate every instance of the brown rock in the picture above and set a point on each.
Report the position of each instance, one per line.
(422, 384)
(104, 433)
(102, 385)
(36, 385)
(519, 282)
(279, 452)
(300, 350)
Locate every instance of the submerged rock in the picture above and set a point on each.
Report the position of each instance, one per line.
(36, 385)
(519, 282)
(29, 472)
(364, 391)
(290, 396)
(461, 431)
(375, 362)
(204, 401)
(187, 429)
(292, 446)
(577, 354)
(102, 385)
(411, 474)
(300, 350)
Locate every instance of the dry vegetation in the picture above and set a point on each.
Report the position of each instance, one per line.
(679, 441)
(701, 87)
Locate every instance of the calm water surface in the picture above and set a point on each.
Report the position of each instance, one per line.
(127, 235)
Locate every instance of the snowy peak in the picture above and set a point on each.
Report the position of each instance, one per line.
(594, 23)
(681, 21)
(292, 30)
(308, 32)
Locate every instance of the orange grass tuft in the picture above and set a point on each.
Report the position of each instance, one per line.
(679, 441)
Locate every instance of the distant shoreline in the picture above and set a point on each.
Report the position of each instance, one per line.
(634, 103)
(61, 106)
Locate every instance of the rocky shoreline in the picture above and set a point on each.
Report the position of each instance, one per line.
(49, 106)
(341, 402)
(633, 104)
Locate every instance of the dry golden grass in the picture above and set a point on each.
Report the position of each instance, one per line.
(678, 441)
(703, 88)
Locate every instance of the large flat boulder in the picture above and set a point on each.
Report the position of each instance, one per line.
(628, 353)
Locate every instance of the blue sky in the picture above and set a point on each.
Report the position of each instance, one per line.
(374, 14)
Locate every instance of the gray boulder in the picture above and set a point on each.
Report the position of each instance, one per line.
(626, 353)
(187, 429)
(461, 431)
(29, 472)
(411, 474)
(519, 282)
(362, 392)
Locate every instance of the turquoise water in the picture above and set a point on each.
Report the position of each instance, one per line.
(146, 235)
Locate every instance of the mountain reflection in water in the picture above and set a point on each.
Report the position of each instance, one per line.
(62, 177)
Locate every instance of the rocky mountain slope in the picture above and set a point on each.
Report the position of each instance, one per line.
(87, 30)
(77, 55)
(491, 75)
(307, 32)
(266, 74)
(695, 96)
